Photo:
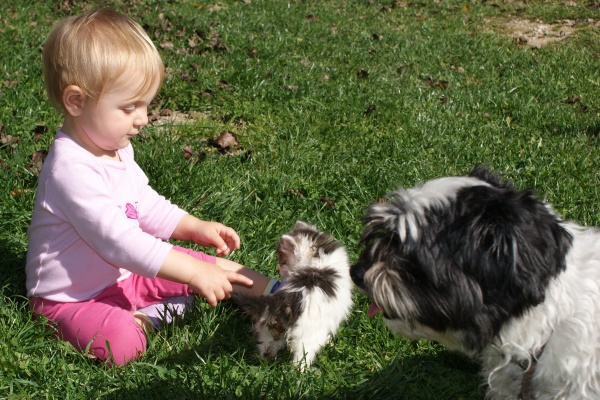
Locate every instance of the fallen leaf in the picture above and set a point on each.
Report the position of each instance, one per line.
(224, 85)
(217, 44)
(434, 83)
(370, 110)
(36, 161)
(188, 152)
(207, 93)
(184, 76)
(225, 142)
(296, 192)
(327, 201)
(8, 140)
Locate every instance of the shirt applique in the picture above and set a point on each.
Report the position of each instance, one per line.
(132, 213)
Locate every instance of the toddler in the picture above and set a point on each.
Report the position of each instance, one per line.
(97, 251)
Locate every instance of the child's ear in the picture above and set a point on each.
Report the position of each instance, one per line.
(73, 99)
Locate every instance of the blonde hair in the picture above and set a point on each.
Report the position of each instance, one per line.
(96, 49)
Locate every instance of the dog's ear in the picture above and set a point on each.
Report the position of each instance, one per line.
(512, 244)
(286, 251)
(380, 220)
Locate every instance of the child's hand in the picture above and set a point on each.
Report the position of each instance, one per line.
(207, 233)
(214, 283)
(224, 238)
(208, 280)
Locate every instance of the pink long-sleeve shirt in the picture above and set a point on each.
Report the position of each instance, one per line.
(95, 221)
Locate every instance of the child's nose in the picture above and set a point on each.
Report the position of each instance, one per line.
(142, 118)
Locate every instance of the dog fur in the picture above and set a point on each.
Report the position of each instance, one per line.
(492, 272)
(314, 298)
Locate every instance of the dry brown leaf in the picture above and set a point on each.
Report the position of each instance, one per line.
(37, 159)
(188, 152)
(434, 83)
(330, 203)
(227, 141)
(296, 192)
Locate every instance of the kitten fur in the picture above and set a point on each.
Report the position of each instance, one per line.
(314, 298)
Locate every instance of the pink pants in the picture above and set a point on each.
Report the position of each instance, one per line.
(105, 325)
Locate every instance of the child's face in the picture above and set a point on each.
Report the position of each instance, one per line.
(108, 124)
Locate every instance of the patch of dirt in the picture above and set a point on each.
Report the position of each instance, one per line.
(168, 117)
(537, 34)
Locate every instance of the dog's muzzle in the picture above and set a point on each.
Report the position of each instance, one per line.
(357, 273)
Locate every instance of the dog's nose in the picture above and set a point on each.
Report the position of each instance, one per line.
(357, 273)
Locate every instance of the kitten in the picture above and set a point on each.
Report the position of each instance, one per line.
(314, 298)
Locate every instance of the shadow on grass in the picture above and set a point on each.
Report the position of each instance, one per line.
(12, 268)
(226, 366)
(445, 376)
(593, 131)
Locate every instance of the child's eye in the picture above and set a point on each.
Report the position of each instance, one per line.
(128, 109)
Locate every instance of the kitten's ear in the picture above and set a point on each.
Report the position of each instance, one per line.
(287, 315)
(253, 306)
(302, 225)
(285, 251)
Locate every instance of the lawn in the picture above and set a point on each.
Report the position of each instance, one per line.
(332, 105)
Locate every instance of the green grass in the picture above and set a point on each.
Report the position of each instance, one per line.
(319, 141)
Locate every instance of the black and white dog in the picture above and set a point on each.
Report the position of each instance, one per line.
(490, 271)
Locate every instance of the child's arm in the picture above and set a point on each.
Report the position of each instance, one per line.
(207, 233)
(209, 280)
(206, 279)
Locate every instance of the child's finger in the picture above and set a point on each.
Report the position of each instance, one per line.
(234, 277)
(231, 237)
(211, 299)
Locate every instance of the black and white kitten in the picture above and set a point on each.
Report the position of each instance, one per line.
(314, 298)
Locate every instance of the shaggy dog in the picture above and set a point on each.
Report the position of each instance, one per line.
(314, 298)
(490, 271)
